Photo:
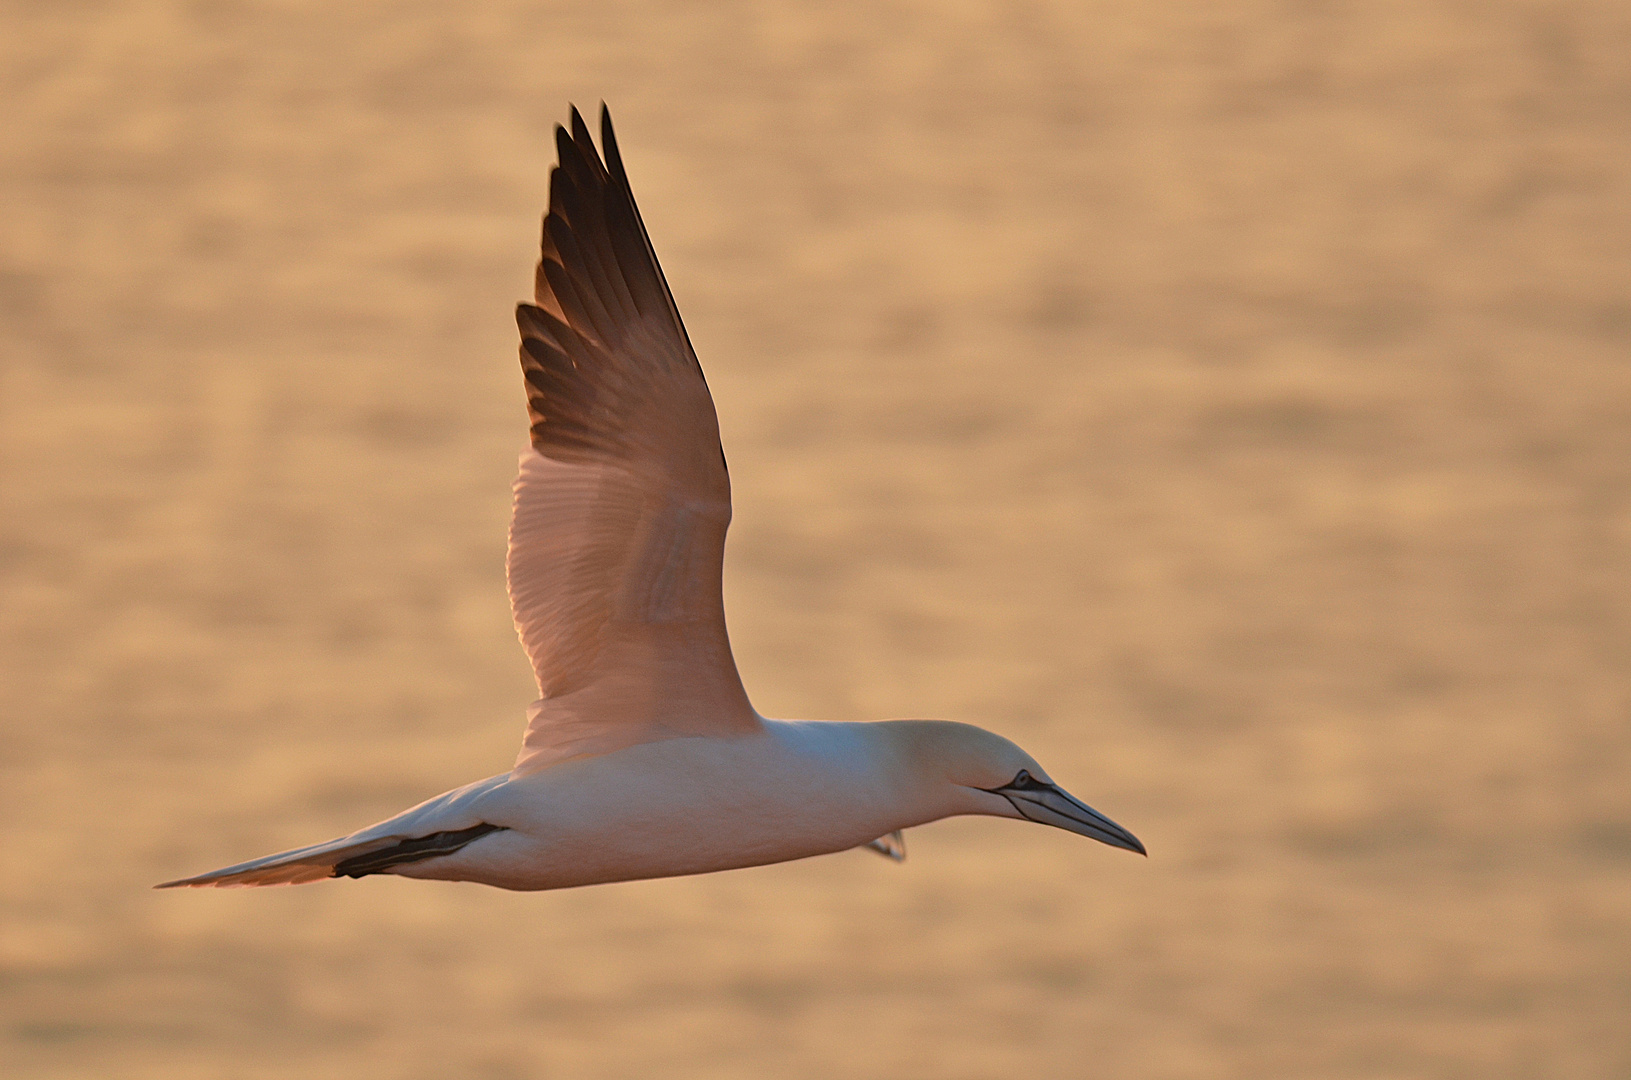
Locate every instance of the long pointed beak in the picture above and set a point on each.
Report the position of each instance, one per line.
(1048, 804)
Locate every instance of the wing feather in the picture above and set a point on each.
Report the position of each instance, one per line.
(621, 506)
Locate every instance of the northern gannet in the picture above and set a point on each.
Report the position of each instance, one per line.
(643, 757)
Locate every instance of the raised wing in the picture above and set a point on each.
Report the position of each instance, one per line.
(618, 536)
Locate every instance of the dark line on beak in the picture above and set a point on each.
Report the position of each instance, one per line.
(1026, 790)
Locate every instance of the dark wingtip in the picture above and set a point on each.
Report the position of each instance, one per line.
(580, 134)
(608, 144)
(412, 850)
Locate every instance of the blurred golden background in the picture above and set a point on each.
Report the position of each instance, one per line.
(1231, 402)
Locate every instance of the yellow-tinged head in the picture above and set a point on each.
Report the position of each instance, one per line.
(987, 774)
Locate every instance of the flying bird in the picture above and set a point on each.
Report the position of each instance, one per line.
(643, 757)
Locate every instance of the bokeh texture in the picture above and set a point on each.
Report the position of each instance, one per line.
(1230, 402)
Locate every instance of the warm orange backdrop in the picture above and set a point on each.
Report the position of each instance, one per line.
(1229, 401)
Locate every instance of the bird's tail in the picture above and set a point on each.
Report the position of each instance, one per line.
(295, 867)
(438, 826)
(349, 856)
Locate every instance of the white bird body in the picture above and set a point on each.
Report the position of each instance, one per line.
(693, 805)
(680, 806)
(643, 757)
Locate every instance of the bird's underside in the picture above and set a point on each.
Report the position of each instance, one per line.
(440, 844)
(657, 809)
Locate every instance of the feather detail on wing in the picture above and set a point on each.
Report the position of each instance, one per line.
(621, 506)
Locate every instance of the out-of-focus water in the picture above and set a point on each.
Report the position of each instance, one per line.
(1229, 402)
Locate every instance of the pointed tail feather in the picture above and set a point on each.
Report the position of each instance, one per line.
(295, 867)
(346, 857)
(438, 826)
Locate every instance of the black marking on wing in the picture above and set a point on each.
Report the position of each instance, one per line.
(406, 851)
(605, 341)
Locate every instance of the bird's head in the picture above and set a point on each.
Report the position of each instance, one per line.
(983, 773)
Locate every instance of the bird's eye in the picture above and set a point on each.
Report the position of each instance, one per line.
(1023, 780)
